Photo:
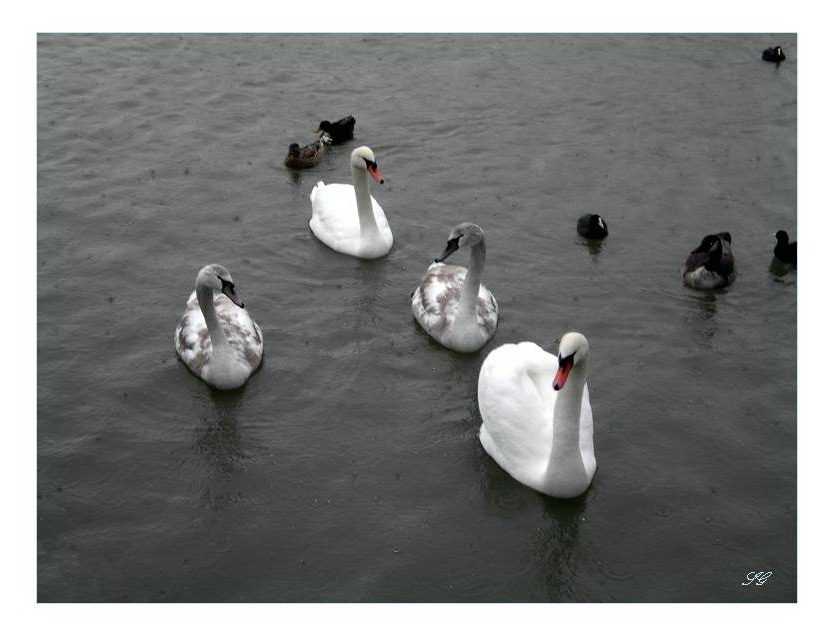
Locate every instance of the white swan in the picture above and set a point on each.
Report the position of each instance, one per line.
(347, 218)
(450, 303)
(216, 338)
(539, 431)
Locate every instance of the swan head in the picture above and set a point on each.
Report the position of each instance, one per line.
(465, 234)
(363, 159)
(217, 278)
(574, 351)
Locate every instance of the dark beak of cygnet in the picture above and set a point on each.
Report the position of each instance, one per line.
(452, 247)
(228, 291)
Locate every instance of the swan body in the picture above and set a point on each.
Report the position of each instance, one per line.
(347, 218)
(341, 131)
(784, 251)
(592, 226)
(450, 303)
(711, 264)
(216, 337)
(536, 416)
(304, 156)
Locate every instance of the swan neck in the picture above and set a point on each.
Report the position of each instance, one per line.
(205, 296)
(360, 182)
(567, 412)
(470, 288)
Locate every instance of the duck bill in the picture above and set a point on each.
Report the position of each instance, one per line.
(375, 174)
(562, 375)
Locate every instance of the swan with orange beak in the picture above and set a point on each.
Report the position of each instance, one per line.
(539, 431)
(346, 217)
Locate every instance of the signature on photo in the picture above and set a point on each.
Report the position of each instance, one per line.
(757, 578)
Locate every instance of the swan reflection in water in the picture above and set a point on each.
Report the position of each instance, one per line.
(372, 282)
(553, 552)
(551, 549)
(219, 447)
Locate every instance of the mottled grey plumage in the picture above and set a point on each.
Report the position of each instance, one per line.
(216, 337)
(450, 303)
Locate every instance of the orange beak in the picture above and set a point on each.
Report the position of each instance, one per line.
(562, 374)
(375, 174)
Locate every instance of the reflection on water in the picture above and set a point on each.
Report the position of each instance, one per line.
(219, 447)
(552, 550)
(780, 272)
(503, 495)
(372, 282)
(594, 246)
(707, 307)
(295, 176)
(703, 315)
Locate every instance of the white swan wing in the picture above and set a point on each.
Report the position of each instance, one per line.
(517, 411)
(335, 215)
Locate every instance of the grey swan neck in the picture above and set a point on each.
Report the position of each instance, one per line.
(469, 297)
(205, 296)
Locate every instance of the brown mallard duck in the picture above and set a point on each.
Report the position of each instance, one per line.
(304, 156)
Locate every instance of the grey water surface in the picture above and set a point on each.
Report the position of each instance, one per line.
(348, 468)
